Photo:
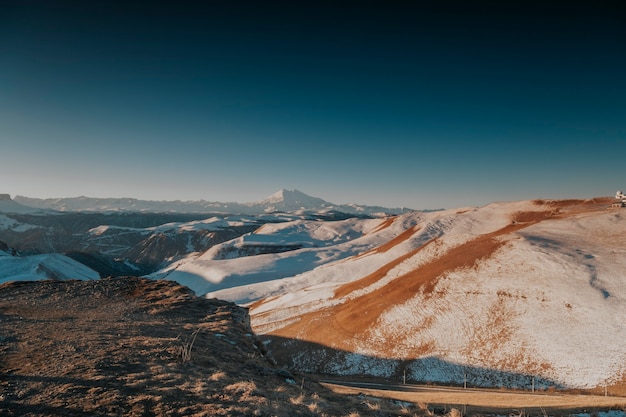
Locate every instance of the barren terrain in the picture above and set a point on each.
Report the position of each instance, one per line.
(136, 347)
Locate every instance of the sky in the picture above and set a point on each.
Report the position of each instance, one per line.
(422, 104)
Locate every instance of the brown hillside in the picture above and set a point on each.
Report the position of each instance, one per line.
(136, 347)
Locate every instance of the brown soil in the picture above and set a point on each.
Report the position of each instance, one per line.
(573, 204)
(136, 347)
(384, 224)
(395, 241)
(365, 282)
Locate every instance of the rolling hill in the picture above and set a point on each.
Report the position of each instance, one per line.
(512, 294)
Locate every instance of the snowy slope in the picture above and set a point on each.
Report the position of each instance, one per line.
(500, 294)
(210, 224)
(8, 223)
(275, 251)
(37, 267)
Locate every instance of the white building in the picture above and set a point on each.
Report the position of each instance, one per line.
(622, 199)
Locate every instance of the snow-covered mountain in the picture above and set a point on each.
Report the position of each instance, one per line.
(507, 294)
(294, 200)
(283, 200)
(122, 243)
(138, 243)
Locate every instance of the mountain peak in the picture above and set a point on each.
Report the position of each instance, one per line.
(292, 200)
(284, 195)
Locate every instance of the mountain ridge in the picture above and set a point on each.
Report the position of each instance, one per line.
(282, 200)
(9, 205)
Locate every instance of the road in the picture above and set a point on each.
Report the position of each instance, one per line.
(477, 398)
(416, 388)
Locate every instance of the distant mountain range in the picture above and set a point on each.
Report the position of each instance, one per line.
(7, 205)
(122, 236)
(281, 201)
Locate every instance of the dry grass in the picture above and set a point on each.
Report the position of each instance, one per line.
(454, 412)
(216, 376)
(134, 347)
(185, 348)
(372, 405)
(297, 400)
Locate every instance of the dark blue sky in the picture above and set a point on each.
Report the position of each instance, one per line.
(419, 104)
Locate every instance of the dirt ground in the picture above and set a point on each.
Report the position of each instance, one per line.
(136, 347)
(497, 402)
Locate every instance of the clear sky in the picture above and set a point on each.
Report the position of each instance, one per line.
(421, 104)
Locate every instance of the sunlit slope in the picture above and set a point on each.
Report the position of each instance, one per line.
(507, 292)
(253, 265)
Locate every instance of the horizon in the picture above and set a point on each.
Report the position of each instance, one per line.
(121, 197)
(13, 197)
(373, 103)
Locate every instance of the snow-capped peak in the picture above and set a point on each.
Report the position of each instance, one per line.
(288, 200)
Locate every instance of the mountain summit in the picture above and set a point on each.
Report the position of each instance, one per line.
(295, 200)
(292, 200)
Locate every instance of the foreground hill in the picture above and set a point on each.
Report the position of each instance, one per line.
(136, 347)
(511, 294)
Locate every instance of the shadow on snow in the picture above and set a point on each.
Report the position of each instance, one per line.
(315, 358)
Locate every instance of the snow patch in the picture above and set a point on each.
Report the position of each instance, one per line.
(47, 266)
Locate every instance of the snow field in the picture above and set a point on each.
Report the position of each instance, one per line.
(549, 302)
(37, 267)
